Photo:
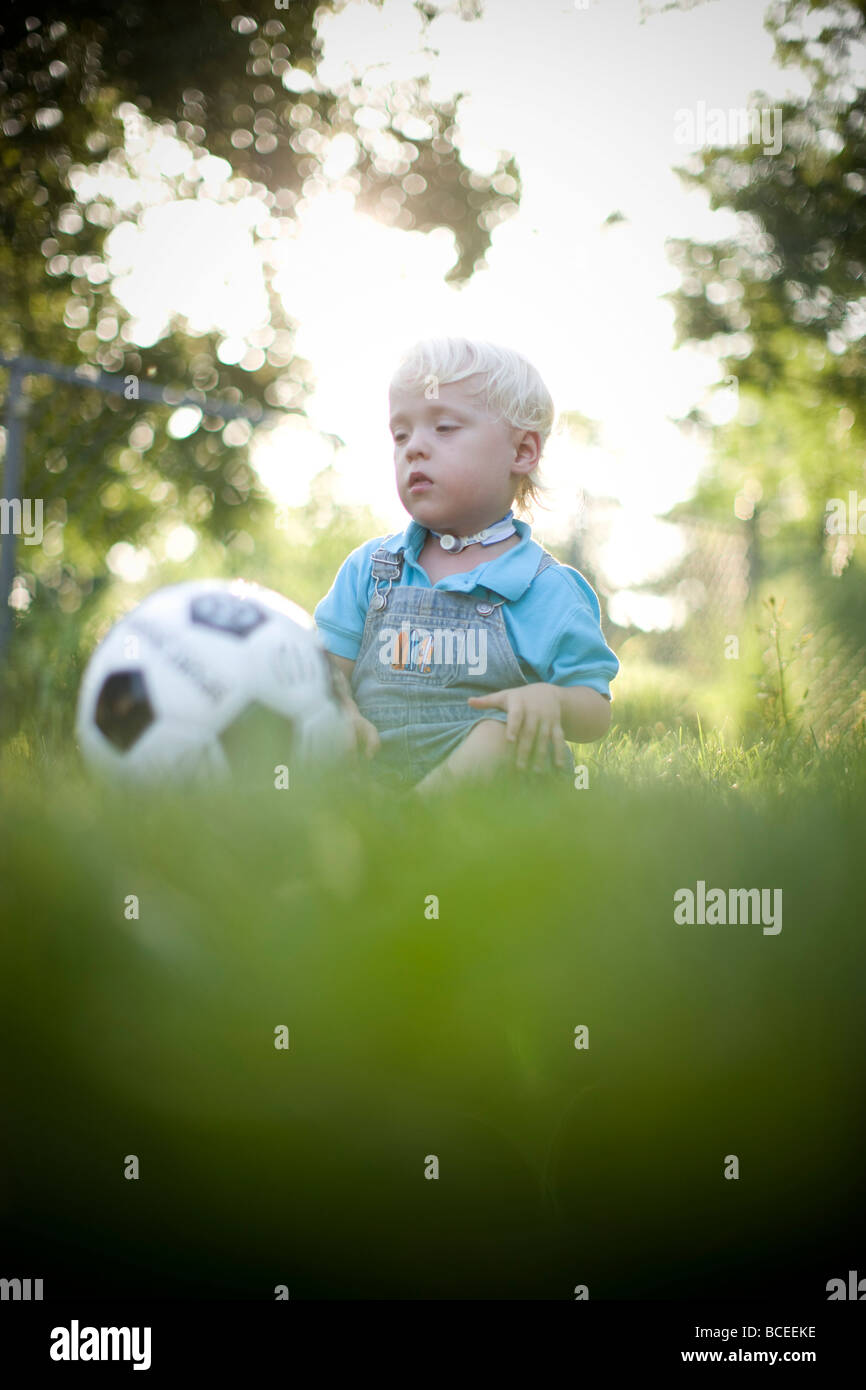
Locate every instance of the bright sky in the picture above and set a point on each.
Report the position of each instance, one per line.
(586, 97)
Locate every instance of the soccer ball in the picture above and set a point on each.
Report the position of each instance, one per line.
(207, 679)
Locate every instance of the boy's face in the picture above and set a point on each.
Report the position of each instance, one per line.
(472, 462)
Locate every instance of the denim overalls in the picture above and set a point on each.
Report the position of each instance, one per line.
(422, 653)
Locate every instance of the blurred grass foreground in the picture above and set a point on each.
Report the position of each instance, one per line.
(434, 965)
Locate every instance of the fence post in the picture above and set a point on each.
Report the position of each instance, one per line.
(16, 410)
(755, 558)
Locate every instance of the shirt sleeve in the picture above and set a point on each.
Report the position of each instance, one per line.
(578, 654)
(341, 614)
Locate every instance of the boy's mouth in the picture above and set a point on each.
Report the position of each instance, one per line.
(419, 481)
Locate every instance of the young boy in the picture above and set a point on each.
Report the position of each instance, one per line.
(462, 643)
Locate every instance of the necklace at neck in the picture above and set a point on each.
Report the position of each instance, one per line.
(499, 531)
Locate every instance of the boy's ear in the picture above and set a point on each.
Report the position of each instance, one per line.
(528, 451)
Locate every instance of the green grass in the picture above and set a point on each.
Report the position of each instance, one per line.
(413, 1034)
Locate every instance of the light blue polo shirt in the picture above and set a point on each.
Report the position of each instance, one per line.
(553, 622)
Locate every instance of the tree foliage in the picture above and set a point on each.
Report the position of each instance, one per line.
(236, 82)
(783, 300)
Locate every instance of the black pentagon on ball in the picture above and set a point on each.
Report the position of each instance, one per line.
(227, 613)
(123, 710)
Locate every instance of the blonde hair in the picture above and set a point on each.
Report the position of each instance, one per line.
(511, 389)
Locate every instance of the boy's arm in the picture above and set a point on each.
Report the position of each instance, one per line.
(342, 668)
(584, 713)
(366, 734)
(577, 661)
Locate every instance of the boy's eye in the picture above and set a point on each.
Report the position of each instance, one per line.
(399, 437)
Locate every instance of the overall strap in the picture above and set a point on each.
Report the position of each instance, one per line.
(388, 564)
(490, 605)
(546, 560)
(385, 564)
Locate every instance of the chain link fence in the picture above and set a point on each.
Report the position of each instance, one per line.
(95, 448)
(710, 588)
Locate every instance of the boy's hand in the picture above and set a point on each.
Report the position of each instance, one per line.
(366, 735)
(534, 721)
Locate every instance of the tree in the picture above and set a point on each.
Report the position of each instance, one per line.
(236, 82)
(783, 301)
